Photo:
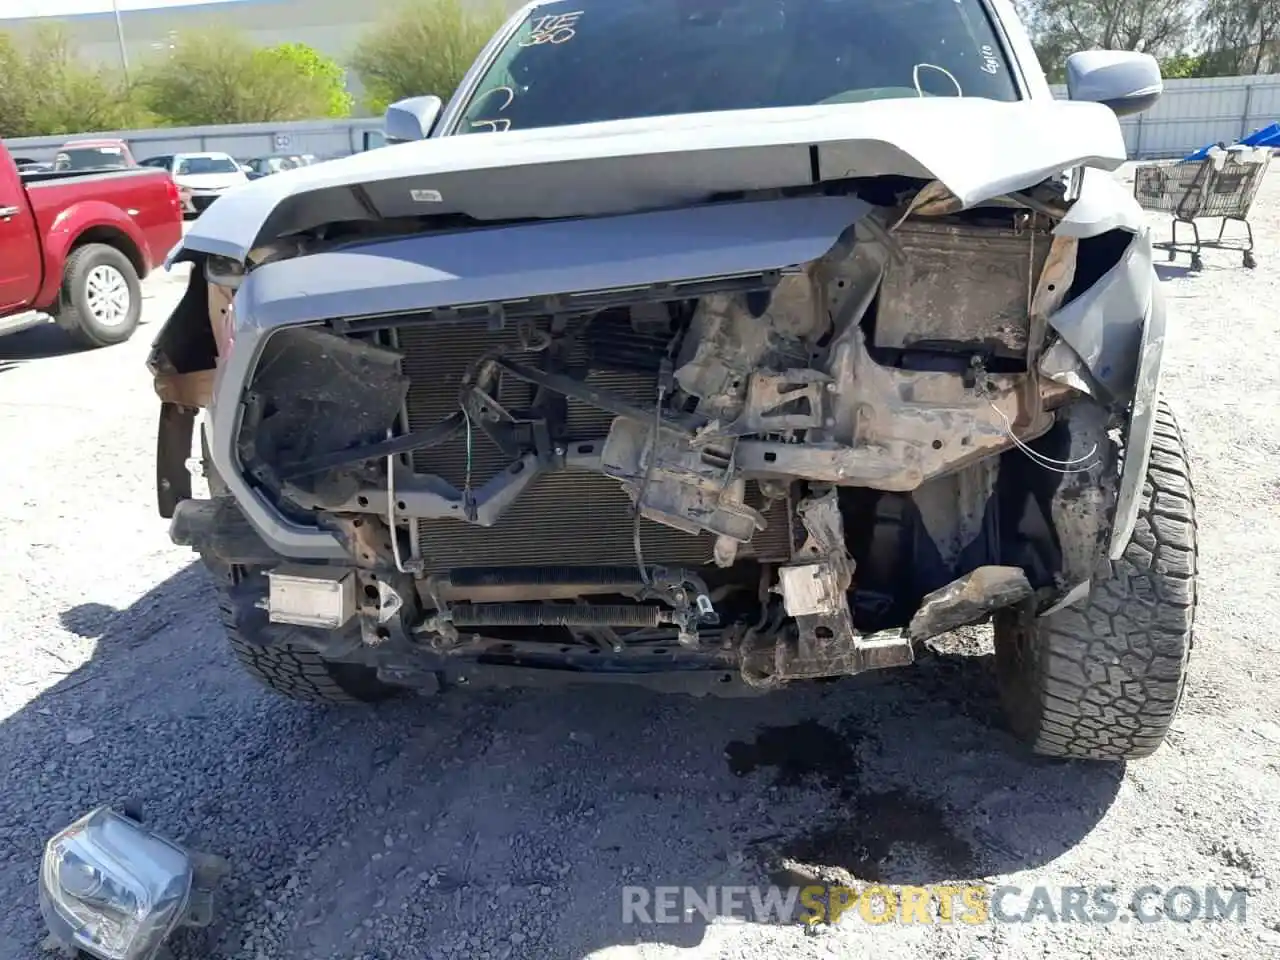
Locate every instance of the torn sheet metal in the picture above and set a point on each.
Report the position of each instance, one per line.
(969, 599)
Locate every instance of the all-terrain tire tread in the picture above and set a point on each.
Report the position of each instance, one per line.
(1108, 674)
(291, 670)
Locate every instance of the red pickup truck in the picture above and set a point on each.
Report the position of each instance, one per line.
(76, 245)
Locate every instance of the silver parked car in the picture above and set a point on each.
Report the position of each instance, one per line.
(259, 167)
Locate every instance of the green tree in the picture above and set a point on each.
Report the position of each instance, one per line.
(324, 71)
(219, 76)
(1242, 36)
(48, 90)
(423, 47)
(1059, 28)
(1182, 66)
(15, 92)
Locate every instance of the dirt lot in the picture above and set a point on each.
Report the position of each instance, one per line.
(505, 825)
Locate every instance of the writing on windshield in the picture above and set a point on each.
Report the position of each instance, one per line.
(552, 28)
(582, 61)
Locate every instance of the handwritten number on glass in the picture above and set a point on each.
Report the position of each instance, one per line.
(499, 124)
(553, 28)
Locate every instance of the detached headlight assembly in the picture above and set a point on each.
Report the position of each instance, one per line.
(112, 888)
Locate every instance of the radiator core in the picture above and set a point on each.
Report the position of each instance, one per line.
(568, 517)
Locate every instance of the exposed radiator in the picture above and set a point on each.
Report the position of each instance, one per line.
(569, 517)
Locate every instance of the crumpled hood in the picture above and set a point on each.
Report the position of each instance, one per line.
(977, 148)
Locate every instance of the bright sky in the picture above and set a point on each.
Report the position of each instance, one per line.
(17, 9)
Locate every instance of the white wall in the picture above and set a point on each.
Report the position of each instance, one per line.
(1195, 113)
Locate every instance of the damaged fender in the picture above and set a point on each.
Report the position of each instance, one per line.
(1104, 324)
(1142, 424)
(1116, 329)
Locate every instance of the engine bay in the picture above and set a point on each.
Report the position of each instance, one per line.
(805, 471)
(640, 465)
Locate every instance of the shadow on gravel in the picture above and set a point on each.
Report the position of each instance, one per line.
(36, 343)
(1173, 271)
(512, 822)
(936, 818)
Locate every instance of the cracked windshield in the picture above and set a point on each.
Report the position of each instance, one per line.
(577, 62)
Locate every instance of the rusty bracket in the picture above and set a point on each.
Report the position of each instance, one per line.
(173, 449)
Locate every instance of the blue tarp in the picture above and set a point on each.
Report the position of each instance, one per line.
(1266, 137)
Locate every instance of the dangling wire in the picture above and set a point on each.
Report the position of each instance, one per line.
(1031, 262)
(391, 509)
(1056, 466)
(666, 382)
(644, 484)
(468, 499)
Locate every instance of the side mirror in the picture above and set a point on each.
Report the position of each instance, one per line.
(1126, 81)
(411, 119)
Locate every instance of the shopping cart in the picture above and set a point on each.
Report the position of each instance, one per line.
(1222, 186)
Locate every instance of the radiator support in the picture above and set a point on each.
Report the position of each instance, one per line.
(568, 516)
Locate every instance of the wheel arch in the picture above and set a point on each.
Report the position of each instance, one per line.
(1140, 431)
(1102, 677)
(112, 236)
(82, 224)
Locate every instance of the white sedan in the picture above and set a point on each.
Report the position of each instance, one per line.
(201, 177)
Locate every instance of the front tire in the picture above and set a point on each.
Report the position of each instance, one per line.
(272, 654)
(1103, 679)
(101, 296)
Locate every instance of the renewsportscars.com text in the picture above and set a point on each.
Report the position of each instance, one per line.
(937, 903)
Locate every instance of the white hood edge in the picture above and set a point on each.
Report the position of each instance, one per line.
(977, 148)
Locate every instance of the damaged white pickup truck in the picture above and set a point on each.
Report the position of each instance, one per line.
(753, 341)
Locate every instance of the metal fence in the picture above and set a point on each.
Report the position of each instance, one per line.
(324, 138)
(1195, 113)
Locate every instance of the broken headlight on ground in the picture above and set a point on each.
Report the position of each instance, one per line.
(115, 890)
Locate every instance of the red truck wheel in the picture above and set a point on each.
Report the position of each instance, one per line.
(101, 296)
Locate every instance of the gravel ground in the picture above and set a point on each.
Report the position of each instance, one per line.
(504, 825)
